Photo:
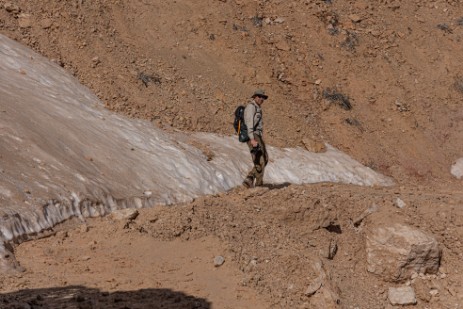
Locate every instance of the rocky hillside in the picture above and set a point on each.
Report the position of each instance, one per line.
(379, 80)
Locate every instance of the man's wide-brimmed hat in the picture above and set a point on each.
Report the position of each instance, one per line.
(260, 93)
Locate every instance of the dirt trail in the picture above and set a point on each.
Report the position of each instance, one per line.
(85, 260)
(271, 241)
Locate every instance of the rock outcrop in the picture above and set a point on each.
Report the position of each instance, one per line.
(396, 252)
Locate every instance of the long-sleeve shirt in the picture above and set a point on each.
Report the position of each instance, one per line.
(253, 119)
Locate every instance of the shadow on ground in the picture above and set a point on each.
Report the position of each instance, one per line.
(81, 297)
(277, 186)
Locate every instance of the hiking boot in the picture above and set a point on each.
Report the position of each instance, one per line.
(248, 182)
(259, 181)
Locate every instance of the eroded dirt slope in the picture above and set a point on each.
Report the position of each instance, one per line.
(187, 65)
(381, 81)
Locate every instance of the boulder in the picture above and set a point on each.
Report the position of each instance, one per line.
(25, 20)
(396, 252)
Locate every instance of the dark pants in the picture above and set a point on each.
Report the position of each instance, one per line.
(260, 160)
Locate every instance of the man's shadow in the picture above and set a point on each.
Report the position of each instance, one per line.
(80, 297)
(277, 186)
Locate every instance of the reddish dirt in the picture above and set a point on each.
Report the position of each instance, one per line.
(186, 65)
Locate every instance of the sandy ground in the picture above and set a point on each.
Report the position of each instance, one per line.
(141, 272)
(271, 241)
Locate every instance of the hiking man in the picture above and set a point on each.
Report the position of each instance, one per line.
(254, 124)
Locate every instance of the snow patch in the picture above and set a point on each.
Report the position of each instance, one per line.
(65, 155)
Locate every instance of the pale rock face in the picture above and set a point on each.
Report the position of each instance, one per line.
(322, 292)
(396, 252)
(402, 296)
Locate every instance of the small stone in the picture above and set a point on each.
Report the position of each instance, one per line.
(457, 169)
(355, 18)
(46, 23)
(313, 145)
(281, 44)
(12, 8)
(24, 20)
(62, 235)
(402, 296)
(399, 203)
(330, 251)
(125, 214)
(314, 286)
(218, 261)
